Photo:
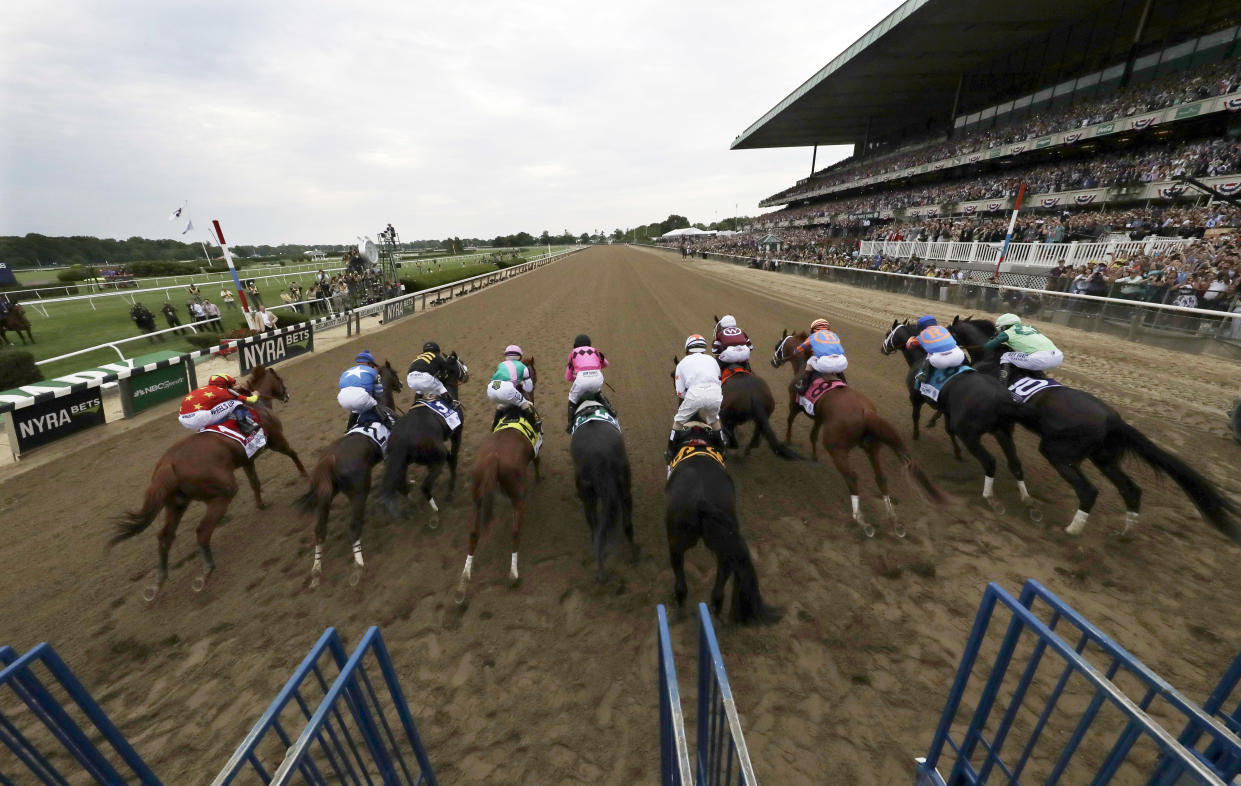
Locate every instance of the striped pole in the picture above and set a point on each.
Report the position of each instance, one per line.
(228, 259)
(1012, 223)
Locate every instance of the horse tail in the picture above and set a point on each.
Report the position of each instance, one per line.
(486, 481)
(132, 523)
(1217, 509)
(322, 484)
(748, 607)
(759, 413)
(883, 431)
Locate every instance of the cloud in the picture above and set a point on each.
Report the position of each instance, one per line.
(316, 122)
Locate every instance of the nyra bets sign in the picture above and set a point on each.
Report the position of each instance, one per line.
(60, 417)
(270, 350)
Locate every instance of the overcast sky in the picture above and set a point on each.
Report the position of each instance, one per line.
(317, 122)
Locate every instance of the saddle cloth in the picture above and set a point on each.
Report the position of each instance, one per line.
(376, 432)
(694, 448)
(932, 384)
(817, 388)
(525, 427)
(733, 371)
(592, 410)
(451, 416)
(252, 443)
(1027, 388)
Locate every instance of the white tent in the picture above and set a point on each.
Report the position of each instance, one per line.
(686, 232)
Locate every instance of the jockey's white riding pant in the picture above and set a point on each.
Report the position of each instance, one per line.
(738, 354)
(1043, 360)
(355, 399)
(705, 398)
(197, 421)
(424, 384)
(828, 364)
(505, 394)
(585, 382)
(950, 359)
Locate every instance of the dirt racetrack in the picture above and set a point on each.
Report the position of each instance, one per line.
(554, 682)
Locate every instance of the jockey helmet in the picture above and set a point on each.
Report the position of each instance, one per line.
(512, 349)
(820, 324)
(926, 321)
(582, 340)
(221, 381)
(695, 343)
(1007, 321)
(431, 346)
(726, 321)
(365, 356)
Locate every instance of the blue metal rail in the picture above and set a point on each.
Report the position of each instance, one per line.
(55, 731)
(978, 754)
(723, 758)
(674, 764)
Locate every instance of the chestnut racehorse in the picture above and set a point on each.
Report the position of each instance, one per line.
(500, 463)
(201, 467)
(346, 467)
(848, 419)
(16, 321)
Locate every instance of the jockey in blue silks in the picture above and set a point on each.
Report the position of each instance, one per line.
(360, 389)
(941, 348)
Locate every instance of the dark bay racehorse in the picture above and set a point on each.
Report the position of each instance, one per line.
(16, 321)
(201, 467)
(700, 504)
(848, 419)
(748, 399)
(500, 465)
(345, 467)
(973, 405)
(1075, 426)
(420, 437)
(601, 469)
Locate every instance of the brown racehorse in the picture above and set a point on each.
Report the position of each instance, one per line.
(848, 419)
(346, 467)
(747, 398)
(500, 463)
(201, 467)
(16, 321)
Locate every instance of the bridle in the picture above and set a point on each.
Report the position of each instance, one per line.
(888, 346)
(778, 358)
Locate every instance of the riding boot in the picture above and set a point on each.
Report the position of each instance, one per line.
(495, 421)
(672, 447)
(720, 439)
(568, 429)
(353, 421)
(842, 377)
(245, 424)
(1006, 370)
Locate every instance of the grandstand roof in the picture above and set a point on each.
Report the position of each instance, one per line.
(907, 67)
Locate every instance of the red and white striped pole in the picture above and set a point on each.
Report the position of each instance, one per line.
(228, 259)
(1021, 193)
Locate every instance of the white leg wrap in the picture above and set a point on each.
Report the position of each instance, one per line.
(987, 485)
(1078, 523)
(887, 503)
(1025, 493)
(512, 571)
(318, 558)
(434, 507)
(1131, 520)
(357, 553)
(857, 507)
(469, 567)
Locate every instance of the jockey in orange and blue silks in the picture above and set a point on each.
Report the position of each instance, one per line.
(827, 355)
(940, 347)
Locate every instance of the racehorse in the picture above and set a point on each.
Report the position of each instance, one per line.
(701, 504)
(601, 468)
(747, 398)
(1074, 426)
(346, 467)
(848, 419)
(500, 463)
(419, 437)
(972, 405)
(15, 319)
(200, 467)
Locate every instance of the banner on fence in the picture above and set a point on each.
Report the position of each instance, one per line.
(269, 350)
(155, 387)
(398, 309)
(6, 275)
(51, 420)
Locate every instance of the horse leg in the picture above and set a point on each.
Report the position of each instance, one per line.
(1068, 465)
(680, 588)
(1004, 436)
(872, 446)
(174, 509)
(253, 476)
(916, 401)
(814, 436)
(793, 410)
(840, 457)
(475, 527)
(590, 506)
(453, 453)
(627, 518)
(323, 509)
(278, 443)
(1109, 464)
(518, 494)
(432, 473)
(722, 572)
(357, 513)
(215, 511)
(758, 436)
(973, 443)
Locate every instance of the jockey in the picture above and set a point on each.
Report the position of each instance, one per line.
(360, 389)
(827, 356)
(698, 386)
(427, 374)
(731, 346)
(1028, 348)
(585, 371)
(941, 348)
(510, 385)
(215, 403)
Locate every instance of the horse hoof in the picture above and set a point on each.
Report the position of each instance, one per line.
(314, 581)
(149, 593)
(898, 530)
(514, 582)
(355, 576)
(867, 529)
(433, 521)
(460, 597)
(997, 507)
(199, 583)
(1035, 513)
